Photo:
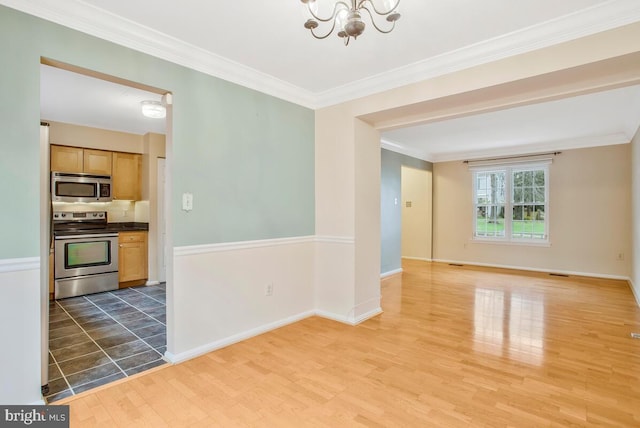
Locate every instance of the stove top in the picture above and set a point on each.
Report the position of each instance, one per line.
(79, 217)
(79, 222)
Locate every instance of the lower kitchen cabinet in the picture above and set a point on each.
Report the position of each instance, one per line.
(132, 258)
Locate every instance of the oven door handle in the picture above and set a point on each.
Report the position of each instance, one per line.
(90, 236)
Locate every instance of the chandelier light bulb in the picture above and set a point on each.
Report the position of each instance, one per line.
(341, 20)
(347, 17)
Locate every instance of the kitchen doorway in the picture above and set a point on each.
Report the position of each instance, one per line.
(90, 340)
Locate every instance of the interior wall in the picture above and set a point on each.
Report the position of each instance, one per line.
(585, 64)
(416, 213)
(367, 218)
(247, 158)
(635, 199)
(391, 207)
(589, 216)
(335, 227)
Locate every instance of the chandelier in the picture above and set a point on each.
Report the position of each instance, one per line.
(347, 18)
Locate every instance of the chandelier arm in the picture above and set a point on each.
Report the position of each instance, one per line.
(333, 14)
(373, 21)
(362, 3)
(326, 35)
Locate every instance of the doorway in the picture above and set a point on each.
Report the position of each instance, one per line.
(93, 339)
(416, 220)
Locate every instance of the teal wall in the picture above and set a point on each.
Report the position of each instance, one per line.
(391, 214)
(248, 158)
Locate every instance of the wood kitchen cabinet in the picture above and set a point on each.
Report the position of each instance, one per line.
(126, 176)
(132, 258)
(67, 159)
(79, 160)
(125, 169)
(97, 162)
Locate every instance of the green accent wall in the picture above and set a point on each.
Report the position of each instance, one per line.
(391, 214)
(247, 157)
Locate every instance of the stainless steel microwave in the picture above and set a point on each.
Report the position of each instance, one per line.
(73, 187)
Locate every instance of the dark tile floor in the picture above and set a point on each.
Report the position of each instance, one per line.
(99, 338)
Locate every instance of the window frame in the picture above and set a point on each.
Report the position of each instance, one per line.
(508, 169)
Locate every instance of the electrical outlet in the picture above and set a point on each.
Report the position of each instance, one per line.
(268, 289)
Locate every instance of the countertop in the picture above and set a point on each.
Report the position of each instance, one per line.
(127, 227)
(109, 228)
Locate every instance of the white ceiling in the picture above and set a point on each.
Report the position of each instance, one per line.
(82, 100)
(263, 45)
(601, 118)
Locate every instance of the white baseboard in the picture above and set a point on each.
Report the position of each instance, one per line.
(222, 343)
(633, 290)
(390, 273)
(367, 315)
(530, 269)
(218, 344)
(349, 320)
(422, 259)
(152, 282)
(334, 317)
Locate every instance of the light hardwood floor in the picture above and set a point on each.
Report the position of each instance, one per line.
(455, 346)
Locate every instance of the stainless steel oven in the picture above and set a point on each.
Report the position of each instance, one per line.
(86, 256)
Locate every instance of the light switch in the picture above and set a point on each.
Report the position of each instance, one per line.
(187, 201)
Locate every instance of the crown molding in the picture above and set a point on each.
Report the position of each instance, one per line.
(601, 17)
(97, 22)
(404, 150)
(567, 144)
(105, 25)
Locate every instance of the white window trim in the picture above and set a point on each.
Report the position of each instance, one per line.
(508, 206)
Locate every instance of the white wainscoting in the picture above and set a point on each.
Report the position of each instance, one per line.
(219, 292)
(20, 332)
(334, 295)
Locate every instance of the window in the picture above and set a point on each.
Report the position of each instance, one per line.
(510, 203)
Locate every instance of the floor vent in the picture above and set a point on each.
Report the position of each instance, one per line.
(635, 335)
(455, 264)
(559, 274)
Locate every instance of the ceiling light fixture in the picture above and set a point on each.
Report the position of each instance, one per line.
(153, 109)
(348, 18)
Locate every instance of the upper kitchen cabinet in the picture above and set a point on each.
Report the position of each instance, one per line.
(126, 176)
(97, 162)
(67, 159)
(79, 160)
